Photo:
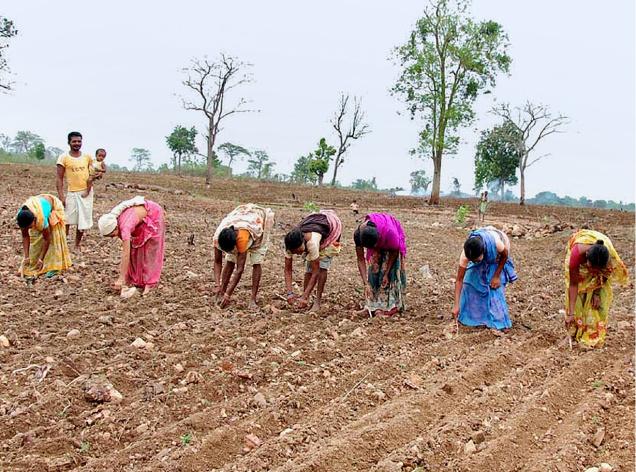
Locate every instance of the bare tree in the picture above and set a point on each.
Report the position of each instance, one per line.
(7, 31)
(210, 81)
(347, 130)
(534, 122)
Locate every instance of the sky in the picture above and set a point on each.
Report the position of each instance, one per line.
(113, 70)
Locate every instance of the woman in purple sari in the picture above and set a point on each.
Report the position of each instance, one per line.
(382, 267)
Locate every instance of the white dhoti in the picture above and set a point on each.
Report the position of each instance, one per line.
(79, 210)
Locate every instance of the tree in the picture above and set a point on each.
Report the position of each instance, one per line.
(39, 151)
(140, 158)
(447, 62)
(533, 122)
(319, 163)
(457, 187)
(25, 141)
(419, 181)
(302, 173)
(259, 165)
(7, 31)
(362, 184)
(182, 143)
(210, 82)
(347, 131)
(497, 157)
(233, 151)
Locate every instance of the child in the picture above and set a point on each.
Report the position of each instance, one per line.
(483, 205)
(97, 169)
(354, 208)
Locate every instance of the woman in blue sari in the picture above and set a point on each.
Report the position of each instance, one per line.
(485, 268)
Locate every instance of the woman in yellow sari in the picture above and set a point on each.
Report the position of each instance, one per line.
(591, 265)
(41, 220)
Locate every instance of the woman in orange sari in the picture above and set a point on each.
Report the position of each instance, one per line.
(591, 265)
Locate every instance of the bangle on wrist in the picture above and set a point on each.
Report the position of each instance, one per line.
(290, 292)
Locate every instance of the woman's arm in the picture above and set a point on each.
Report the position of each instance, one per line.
(26, 242)
(46, 235)
(218, 268)
(236, 278)
(495, 282)
(288, 278)
(393, 255)
(125, 264)
(459, 283)
(315, 270)
(573, 292)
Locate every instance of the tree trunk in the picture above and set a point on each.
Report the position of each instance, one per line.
(502, 184)
(437, 174)
(320, 177)
(179, 165)
(210, 156)
(336, 164)
(522, 188)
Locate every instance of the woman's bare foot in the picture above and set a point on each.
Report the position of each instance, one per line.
(147, 290)
(253, 306)
(315, 308)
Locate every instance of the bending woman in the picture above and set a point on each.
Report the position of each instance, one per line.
(385, 278)
(41, 220)
(140, 224)
(591, 265)
(485, 268)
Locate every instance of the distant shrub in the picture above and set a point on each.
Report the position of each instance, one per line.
(310, 206)
(461, 214)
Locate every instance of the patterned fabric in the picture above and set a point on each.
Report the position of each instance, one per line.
(58, 256)
(390, 299)
(590, 325)
(146, 244)
(335, 229)
(253, 218)
(481, 305)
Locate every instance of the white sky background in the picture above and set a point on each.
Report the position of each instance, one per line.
(112, 71)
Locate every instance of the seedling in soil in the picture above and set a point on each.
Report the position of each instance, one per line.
(85, 446)
(310, 206)
(185, 439)
(597, 384)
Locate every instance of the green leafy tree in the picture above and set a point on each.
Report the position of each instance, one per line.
(419, 181)
(210, 82)
(302, 173)
(447, 62)
(232, 152)
(53, 152)
(259, 166)
(319, 164)
(497, 157)
(24, 142)
(533, 123)
(140, 158)
(39, 151)
(7, 31)
(182, 144)
(5, 142)
(362, 184)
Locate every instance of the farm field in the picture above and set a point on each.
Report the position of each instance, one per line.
(281, 390)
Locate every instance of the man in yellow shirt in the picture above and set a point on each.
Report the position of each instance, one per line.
(78, 201)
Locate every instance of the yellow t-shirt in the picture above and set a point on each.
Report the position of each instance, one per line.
(77, 170)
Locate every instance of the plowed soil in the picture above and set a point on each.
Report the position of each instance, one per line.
(293, 391)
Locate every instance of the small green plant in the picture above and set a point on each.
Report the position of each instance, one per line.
(597, 384)
(462, 213)
(310, 206)
(85, 446)
(186, 439)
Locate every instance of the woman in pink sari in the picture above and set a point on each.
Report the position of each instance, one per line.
(140, 224)
(382, 268)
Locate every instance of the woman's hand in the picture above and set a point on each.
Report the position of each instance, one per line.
(302, 303)
(495, 283)
(368, 291)
(596, 301)
(119, 283)
(291, 297)
(455, 311)
(385, 281)
(39, 265)
(225, 301)
(568, 320)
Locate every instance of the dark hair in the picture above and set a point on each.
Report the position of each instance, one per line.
(598, 255)
(474, 247)
(227, 239)
(100, 149)
(293, 239)
(74, 134)
(25, 217)
(367, 235)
